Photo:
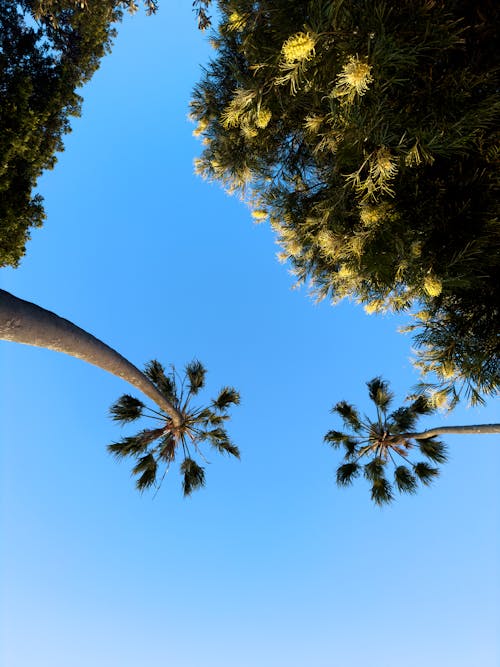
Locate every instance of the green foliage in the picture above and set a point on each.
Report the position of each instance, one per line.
(193, 476)
(48, 49)
(367, 132)
(126, 409)
(349, 415)
(387, 441)
(155, 449)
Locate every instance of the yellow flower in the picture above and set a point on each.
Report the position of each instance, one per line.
(242, 98)
(447, 370)
(374, 306)
(236, 22)
(384, 166)
(370, 215)
(422, 315)
(439, 399)
(354, 78)
(432, 285)
(344, 272)
(298, 48)
(326, 242)
(259, 215)
(313, 123)
(416, 249)
(200, 128)
(262, 118)
(247, 130)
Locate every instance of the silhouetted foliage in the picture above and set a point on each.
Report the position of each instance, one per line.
(155, 449)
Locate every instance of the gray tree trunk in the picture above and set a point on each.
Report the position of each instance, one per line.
(25, 322)
(441, 430)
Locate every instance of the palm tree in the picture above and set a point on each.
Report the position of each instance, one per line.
(179, 425)
(391, 439)
(156, 448)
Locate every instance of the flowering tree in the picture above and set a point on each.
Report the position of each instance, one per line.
(367, 133)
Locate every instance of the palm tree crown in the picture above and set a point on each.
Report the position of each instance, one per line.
(155, 449)
(386, 440)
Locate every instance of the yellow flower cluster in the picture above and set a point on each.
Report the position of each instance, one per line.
(236, 22)
(354, 79)
(370, 215)
(384, 167)
(439, 399)
(298, 48)
(262, 118)
(432, 286)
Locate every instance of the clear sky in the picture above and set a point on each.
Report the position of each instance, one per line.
(271, 565)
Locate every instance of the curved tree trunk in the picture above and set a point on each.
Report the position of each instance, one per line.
(25, 322)
(440, 430)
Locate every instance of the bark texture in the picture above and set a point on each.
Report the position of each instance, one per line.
(27, 323)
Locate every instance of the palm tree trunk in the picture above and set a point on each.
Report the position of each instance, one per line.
(440, 430)
(25, 322)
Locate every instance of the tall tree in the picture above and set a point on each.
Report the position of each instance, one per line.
(391, 439)
(180, 427)
(367, 132)
(48, 49)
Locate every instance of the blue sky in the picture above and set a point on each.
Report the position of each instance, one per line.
(271, 564)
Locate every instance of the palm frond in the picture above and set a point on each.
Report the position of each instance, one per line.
(349, 415)
(335, 438)
(381, 491)
(347, 473)
(129, 446)
(402, 419)
(433, 449)
(422, 406)
(425, 473)
(163, 382)
(379, 393)
(405, 480)
(374, 469)
(227, 396)
(227, 447)
(196, 376)
(168, 448)
(194, 476)
(146, 468)
(126, 409)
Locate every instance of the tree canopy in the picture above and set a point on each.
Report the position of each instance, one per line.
(367, 132)
(48, 49)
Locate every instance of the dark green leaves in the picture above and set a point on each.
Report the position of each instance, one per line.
(386, 442)
(405, 480)
(402, 420)
(381, 491)
(196, 376)
(349, 415)
(146, 469)
(433, 449)
(425, 473)
(163, 382)
(194, 476)
(378, 391)
(227, 396)
(158, 447)
(126, 409)
(347, 473)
